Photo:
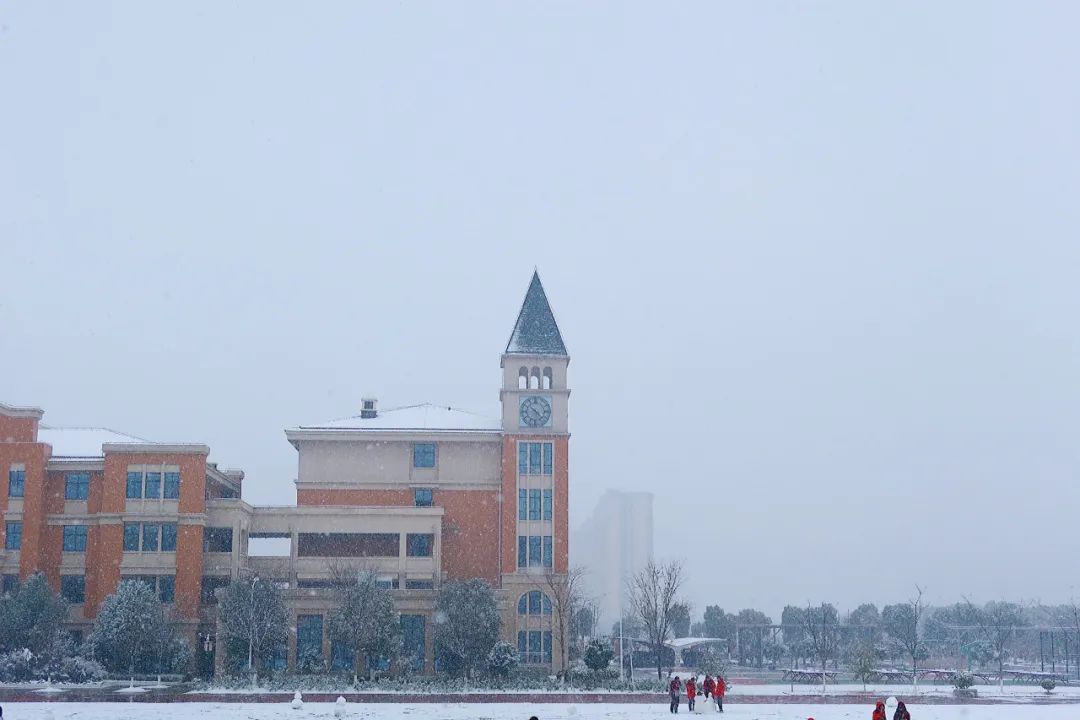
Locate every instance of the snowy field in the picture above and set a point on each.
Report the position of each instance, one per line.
(258, 711)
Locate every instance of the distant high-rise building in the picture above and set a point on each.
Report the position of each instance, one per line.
(613, 544)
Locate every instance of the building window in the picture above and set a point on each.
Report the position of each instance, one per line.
(535, 458)
(387, 583)
(309, 633)
(134, 484)
(423, 455)
(172, 486)
(168, 537)
(413, 647)
(76, 486)
(534, 504)
(534, 602)
(534, 551)
(16, 482)
(208, 587)
(152, 485)
(419, 544)
(10, 584)
(341, 656)
(167, 588)
(73, 588)
(419, 584)
(131, 537)
(523, 504)
(547, 504)
(217, 539)
(13, 535)
(151, 534)
(75, 538)
(534, 646)
(423, 497)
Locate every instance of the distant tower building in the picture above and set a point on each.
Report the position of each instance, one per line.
(614, 543)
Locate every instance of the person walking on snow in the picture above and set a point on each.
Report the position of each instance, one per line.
(691, 693)
(708, 686)
(674, 688)
(718, 693)
(879, 712)
(901, 712)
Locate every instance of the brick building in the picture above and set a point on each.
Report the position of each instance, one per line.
(419, 494)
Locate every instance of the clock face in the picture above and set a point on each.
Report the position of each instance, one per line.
(535, 411)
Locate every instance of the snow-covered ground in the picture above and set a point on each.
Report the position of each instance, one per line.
(282, 711)
(1011, 693)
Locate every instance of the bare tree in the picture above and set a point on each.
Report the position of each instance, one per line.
(822, 635)
(902, 623)
(998, 623)
(653, 591)
(566, 591)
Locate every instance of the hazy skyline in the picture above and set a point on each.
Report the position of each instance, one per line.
(814, 265)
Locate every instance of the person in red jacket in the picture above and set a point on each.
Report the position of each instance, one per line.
(718, 693)
(709, 685)
(674, 687)
(879, 712)
(691, 693)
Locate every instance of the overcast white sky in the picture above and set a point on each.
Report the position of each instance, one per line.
(816, 264)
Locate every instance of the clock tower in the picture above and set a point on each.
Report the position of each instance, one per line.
(535, 470)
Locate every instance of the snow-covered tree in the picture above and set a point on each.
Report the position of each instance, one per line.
(466, 625)
(653, 592)
(680, 619)
(864, 661)
(365, 620)
(902, 623)
(502, 659)
(128, 628)
(998, 623)
(598, 655)
(822, 635)
(253, 616)
(33, 618)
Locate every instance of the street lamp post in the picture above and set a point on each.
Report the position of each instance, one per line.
(251, 632)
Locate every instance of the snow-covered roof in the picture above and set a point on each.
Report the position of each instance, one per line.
(685, 642)
(536, 332)
(82, 442)
(425, 416)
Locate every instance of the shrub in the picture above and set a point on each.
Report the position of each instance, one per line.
(598, 655)
(1048, 685)
(502, 659)
(81, 670)
(17, 666)
(962, 680)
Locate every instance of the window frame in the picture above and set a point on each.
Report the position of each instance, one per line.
(132, 530)
(419, 541)
(81, 585)
(172, 530)
(16, 478)
(170, 485)
(423, 453)
(419, 501)
(77, 539)
(80, 482)
(13, 535)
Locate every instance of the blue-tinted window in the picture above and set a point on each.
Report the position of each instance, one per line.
(167, 588)
(172, 485)
(152, 485)
(309, 632)
(547, 458)
(423, 497)
(13, 535)
(523, 458)
(522, 604)
(534, 551)
(168, 537)
(131, 537)
(423, 455)
(10, 584)
(523, 504)
(16, 483)
(341, 656)
(419, 545)
(73, 588)
(534, 504)
(523, 646)
(534, 602)
(547, 551)
(134, 485)
(412, 642)
(75, 538)
(419, 584)
(150, 535)
(547, 504)
(547, 646)
(76, 486)
(534, 458)
(535, 646)
(522, 551)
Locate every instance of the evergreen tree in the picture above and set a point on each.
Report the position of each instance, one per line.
(466, 625)
(502, 660)
(33, 618)
(598, 655)
(129, 628)
(365, 621)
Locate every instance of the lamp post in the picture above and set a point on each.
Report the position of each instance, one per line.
(251, 631)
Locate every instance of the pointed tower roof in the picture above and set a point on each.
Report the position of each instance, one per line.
(536, 332)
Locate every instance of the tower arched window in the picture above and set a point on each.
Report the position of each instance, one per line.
(546, 381)
(534, 379)
(534, 602)
(523, 378)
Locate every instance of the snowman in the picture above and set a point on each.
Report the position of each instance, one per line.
(339, 707)
(297, 701)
